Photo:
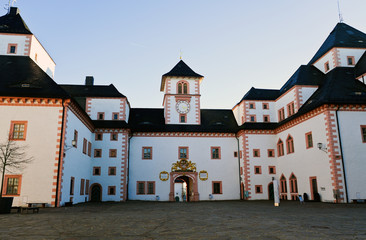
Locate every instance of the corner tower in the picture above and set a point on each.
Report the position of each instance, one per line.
(181, 87)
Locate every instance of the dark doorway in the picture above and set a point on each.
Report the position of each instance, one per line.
(314, 189)
(96, 193)
(270, 191)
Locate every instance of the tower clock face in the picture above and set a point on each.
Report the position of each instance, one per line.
(182, 107)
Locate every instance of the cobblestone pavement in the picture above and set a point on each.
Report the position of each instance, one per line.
(200, 220)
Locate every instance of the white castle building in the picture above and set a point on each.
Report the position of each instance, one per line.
(88, 144)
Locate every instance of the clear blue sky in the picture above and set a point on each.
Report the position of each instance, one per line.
(235, 44)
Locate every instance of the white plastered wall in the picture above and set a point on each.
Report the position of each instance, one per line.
(343, 53)
(41, 142)
(76, 164)
(282, 102)
(105, 105)
(354, 152)
(6, 39)
(165, 153)
(328, 57)
(43, 60)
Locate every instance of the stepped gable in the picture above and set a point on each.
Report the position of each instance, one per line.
(20, 76)
(152, 120)
(13, 23)
(342, 35)
(304, 75)
(360, 67)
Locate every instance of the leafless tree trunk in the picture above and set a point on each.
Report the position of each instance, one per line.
(12, 157)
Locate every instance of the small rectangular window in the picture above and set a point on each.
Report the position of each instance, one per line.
(115, 116)
(252, 118)
(309, 140)
(265, 118)
(114, 136)
(265, 106)
(256, 153)
(97, 153)
(87, 187)
(146, 152)
(150, 187)
(72, 184)
(111, 190)
(235, 154)
(363, 133)
(281, 114)
(112, 153)
(12, 48)
(140, 188)
(112, 171)
(100, 116)
(76, 138)
(326, 66)
(183, 152)
(182, 118)
(96, 171)
(252, 105)
(98, 136)
(215, 153)
(12, 185)
(85, 145)
(290, 109)
(18, 130)
(271, 153)
(351, 60)
(257, 170)
(217, 187)
(258, 189)
(89, 149)
(82, 186)
(272, 170)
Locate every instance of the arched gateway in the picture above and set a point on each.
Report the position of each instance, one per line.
(186, 171)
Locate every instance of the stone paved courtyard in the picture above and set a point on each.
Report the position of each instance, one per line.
(201, 220)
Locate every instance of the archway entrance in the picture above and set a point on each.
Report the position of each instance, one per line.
(186, 181)
(95, 193)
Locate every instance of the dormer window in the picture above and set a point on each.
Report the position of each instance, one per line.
(326, 66)
(350, 61)
(182, 88)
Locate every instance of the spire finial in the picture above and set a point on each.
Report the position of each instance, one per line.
(339, 12)
(9, 5)
(180, 56)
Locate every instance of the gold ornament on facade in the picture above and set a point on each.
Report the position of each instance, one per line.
(203, 175)
(164, 176)
(183, 165)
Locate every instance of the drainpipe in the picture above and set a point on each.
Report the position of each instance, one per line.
(128, 165)
(363, 79)
(340, 145)
(60, 154)
(241, 194)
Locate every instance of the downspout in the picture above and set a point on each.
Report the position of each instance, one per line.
(60, 154)
(241, 193)
(340, 145)
(363, 79)
(128, 165)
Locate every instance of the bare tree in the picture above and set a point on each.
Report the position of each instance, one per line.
(12, 157)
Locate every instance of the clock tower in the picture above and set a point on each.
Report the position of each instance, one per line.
(181, 87)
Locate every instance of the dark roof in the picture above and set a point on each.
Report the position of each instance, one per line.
(342, 35)
(182, 70)
(340, 87)
(20, 76)
(13, 23)
(304, 75)
(152, 120)
(360, 67)
(92, 90)
(109, 124)
(261, 94)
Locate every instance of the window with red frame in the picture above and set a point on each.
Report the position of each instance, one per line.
(280, 149)
(293, 183)
(290, 144)
(18, 130)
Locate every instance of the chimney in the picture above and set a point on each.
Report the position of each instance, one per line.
(89, 81)
(14, 11)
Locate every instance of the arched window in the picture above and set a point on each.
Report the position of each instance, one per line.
(290, 144)
(182, 88)
(280, 150)
(283, 184)
(293, 184)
